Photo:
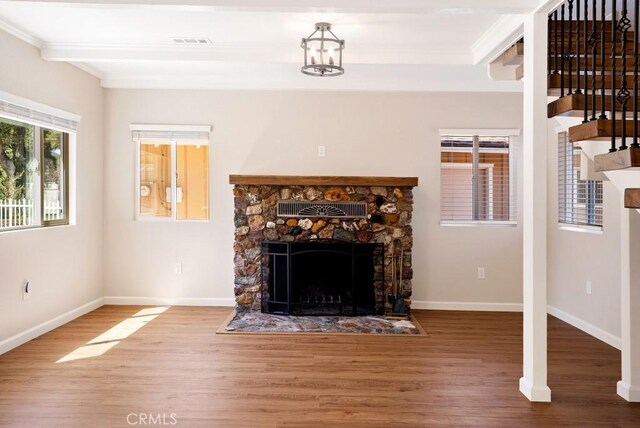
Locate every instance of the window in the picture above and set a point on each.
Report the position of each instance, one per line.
(477, 180)
(34, 164)
(580, 201)
(173, 172)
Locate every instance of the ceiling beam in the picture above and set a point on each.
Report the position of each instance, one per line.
(254, 53)
(367, 85)
(326, 6)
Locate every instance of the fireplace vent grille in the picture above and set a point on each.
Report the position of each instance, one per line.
(322, 209)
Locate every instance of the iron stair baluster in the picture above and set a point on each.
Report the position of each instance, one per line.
(562, 53)
(570, 53)
(623, 95)
(636, 24)
(614, 33)
(585, 64)
(603, 46)
(594, 39)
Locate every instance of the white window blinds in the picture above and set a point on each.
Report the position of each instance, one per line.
(171, 132)
(22, 110)
(580, 201)
(477, 179)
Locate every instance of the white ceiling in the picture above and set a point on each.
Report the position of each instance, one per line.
(390, 45)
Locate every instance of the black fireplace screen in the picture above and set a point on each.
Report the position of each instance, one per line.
(322, 277)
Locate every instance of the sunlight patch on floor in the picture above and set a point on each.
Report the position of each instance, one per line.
(110, 338)
(88, 351)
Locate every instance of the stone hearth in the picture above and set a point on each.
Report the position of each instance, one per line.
(389, 213)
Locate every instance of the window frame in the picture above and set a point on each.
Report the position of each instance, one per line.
(571, 174)
(476, 135)
(68, 141)
(65, 165)
(173, 142)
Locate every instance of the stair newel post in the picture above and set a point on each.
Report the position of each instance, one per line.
(636, 23)
(569, 54)
(585, 64)
(578, 46)
(614, 33)
(562, 51)
(623, 95)
(594, 39)
(603, 46)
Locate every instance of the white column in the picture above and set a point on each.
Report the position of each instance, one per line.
(533, 383)
(629, 386)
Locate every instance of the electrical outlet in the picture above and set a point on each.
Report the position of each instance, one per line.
(481, 273)
(589, 287)
(27, 289)
(178, 268)
(322, 151)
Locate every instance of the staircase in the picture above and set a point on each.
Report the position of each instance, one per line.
(593, 51)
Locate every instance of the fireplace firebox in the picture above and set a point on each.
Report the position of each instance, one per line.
(322, 277)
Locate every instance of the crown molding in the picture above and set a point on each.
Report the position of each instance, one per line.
(506, 31)
(547, 6)
(20, 34)
(87, 68)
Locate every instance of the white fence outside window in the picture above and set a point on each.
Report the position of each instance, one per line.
(20, 212)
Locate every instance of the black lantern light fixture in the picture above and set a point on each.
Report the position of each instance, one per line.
(322, 52)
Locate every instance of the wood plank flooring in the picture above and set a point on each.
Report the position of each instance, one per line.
(464, 373)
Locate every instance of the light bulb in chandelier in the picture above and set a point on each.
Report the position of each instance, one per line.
(331, 53)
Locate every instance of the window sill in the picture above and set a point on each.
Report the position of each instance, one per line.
(478, 223)
(595, 230)
(168, 220)
(27, 228)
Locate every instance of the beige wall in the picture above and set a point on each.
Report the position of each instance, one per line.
(275, 133)
(382, 134)
(64, 264)
(575, 257)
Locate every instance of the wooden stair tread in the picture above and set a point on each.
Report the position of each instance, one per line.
(514, 55)
(573, 42)
(607, 48)
(607, 24)
(632, 198)
(622, 159)
(607, 64)
(573, 105)
(598, 129)
(554, 81)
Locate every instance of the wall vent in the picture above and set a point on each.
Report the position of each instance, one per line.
(291, 208)
(191, 41)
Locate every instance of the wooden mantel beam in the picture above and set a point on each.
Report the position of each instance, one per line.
(310, 180)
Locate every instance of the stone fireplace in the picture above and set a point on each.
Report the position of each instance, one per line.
(384, 217)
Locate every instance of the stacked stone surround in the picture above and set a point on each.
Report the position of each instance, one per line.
(255, 217)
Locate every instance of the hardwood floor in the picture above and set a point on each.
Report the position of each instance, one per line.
(464, 373)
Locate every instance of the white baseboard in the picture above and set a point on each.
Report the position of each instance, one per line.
(591, 329)
(538, 393)
(628, 392)
(467, 306)
(22, 338)
(166, 301)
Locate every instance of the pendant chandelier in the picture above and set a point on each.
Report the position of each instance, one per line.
(322, 52)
